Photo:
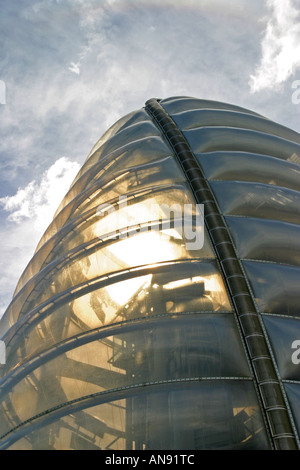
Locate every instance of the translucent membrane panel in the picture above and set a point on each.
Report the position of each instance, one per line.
(144, 248)
(143, 152)
(293, 394)
(141, 249)
(116, 223)
(275, 287)
(176, 348)
(177, 105)
(131, 186)
(132, 118)
(126, 213)
(263, 239)
(196, 416)
(133, 154)
(284, 335)
(258, 200)
(131, 133)
(86, 240)
(243, 166)
(212, 139)
(167, 290)
(120, 160)
(194, 119)
(165, 171)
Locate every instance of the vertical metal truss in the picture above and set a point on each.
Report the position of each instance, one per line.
(270, 387)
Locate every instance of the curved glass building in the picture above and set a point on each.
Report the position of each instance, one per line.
(124, 332)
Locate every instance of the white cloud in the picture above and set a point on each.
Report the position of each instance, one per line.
(30, 212)
(39, 200)
(280, 46)
(74, 68)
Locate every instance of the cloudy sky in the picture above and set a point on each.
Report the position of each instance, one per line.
(70, 68)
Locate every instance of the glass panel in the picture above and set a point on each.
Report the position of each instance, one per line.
(169, 290)
(211, 139)
(268, 240)
(197, 118)
(242, 166)
(284, 335)
(275, 286)
(258, 200)
(208, 415)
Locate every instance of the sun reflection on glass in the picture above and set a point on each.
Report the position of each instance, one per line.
(146, 248)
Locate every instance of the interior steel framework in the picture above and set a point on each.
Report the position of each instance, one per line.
(124, 335)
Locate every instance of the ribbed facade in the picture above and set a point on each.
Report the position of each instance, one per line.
(122, 334)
